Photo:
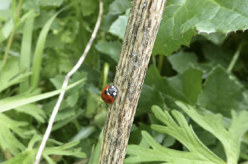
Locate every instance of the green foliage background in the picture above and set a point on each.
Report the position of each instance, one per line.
(193, 105)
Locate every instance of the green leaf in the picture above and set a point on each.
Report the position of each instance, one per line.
(159, 153)
(37, 59)
(85, 132)
(112, 49)
(88, 7)
(92, 106)
(118, 28)
(221, 92)
(191, 84)
(118, 7)
(34, 110)
(57, 148)
(149, 96)
(20, 100)
(185, 87)
(26, 156)
(229, 137)
(65, 114)
(12, 74)
(96, 151)
(183, 19)
(6, 30)
(67, 120)
(64, 149)
(216, 38)
(216, 55)
(55, 3)
(179, 59)
(8, 129)
(178, 127)
(25, 56)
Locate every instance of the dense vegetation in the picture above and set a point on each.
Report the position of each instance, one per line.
(193, 105)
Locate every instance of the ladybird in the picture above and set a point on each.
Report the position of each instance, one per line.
(109, 94)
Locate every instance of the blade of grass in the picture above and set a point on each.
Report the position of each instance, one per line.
(39, 49)
(6, 54)
(17, 101)
(25, 56)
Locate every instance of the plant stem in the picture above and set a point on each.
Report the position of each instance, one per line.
(160, 63)
(105, 74)
(141, 31)
(235, 57)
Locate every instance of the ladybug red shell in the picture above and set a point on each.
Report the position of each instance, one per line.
(109, 94)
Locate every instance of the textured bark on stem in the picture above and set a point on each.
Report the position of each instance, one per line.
(141, 31)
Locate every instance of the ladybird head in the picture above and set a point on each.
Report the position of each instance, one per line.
(109, 94)
(112, 91)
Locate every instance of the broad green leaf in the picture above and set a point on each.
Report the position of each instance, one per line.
(216, 55)
(229, 137)
(182, 61)
(171, 87)
(221, 93)
(185, 87)
(118, 7)
(89, 7)
(191, 84)
(182, 19)
(119, 26)
(216, 38)
(148, 97)
(20, 100)
(112, 49)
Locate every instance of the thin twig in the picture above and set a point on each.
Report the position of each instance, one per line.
(74, 69)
